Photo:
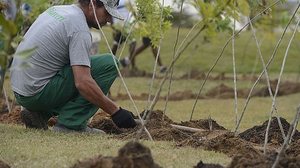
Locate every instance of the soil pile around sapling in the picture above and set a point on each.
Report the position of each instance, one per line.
(256, 134)
(225, 143)
(159, 127)
(103, 121)
(294, 149)
(262, 161)
(133, 155)
(208, 124)
(230, 145)
(207, 165)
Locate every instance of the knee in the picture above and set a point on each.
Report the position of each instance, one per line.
(106, 62)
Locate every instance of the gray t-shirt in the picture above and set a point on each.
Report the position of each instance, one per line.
(62, 37)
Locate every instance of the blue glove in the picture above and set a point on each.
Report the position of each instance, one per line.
(123, 119)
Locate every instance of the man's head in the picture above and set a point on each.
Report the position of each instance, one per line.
(104, 10)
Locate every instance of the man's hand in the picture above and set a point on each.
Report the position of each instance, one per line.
(123, 119)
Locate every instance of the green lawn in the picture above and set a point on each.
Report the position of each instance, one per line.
(28, 148)
(201, 55)
(35, 149)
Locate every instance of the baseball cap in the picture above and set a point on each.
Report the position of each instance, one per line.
(111, 7)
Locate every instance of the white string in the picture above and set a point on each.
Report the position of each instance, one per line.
(121, 77)
(269, 89)
(234, 70)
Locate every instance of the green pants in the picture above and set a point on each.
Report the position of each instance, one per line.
(61, 97)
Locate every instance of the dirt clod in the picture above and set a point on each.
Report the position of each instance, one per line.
(262, 161)
(132, 155)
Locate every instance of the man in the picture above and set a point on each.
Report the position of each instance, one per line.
(154, 49)
(62, 79)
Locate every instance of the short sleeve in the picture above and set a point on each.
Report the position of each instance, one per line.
(79, 48)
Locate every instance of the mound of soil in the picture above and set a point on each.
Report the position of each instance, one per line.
(157, 115)
(159, 130)
(103, 122)
(285, 88)
(220, 141)
(221, 91)
(13, 117)
(294, 149)
(256, 134)
(162, 130)
(3, 164)
(207, 165)
(230, 145)
(262, 161)
(132, 155)
(208, 124)
(183, 95)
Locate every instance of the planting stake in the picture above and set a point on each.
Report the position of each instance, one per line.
(267, 65)
(287, 139)
(221, 54)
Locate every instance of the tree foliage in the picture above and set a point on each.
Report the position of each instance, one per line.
(152, 19)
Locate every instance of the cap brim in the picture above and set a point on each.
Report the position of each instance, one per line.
(113, 12)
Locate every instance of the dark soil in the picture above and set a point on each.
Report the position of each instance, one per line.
(12, 118)
(207, 165)
(203, 124)
(256, 134)
(159, 128)
(3, 164)
(221, 91)
(103, 121)
(162, 130)
(285, 88)
(294, 149)
(229, 145)
(132, 155)
(262, 161)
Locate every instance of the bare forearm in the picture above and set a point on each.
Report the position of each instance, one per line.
(92, 92)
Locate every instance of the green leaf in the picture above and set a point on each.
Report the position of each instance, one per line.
(244, 7)
(7, 26)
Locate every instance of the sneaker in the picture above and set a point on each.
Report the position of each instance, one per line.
(162, 69)
(125, 62)
(33, 119)
(62, 129)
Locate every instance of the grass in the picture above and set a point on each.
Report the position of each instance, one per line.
(222, 110)
(30, 148)
(201, 55)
